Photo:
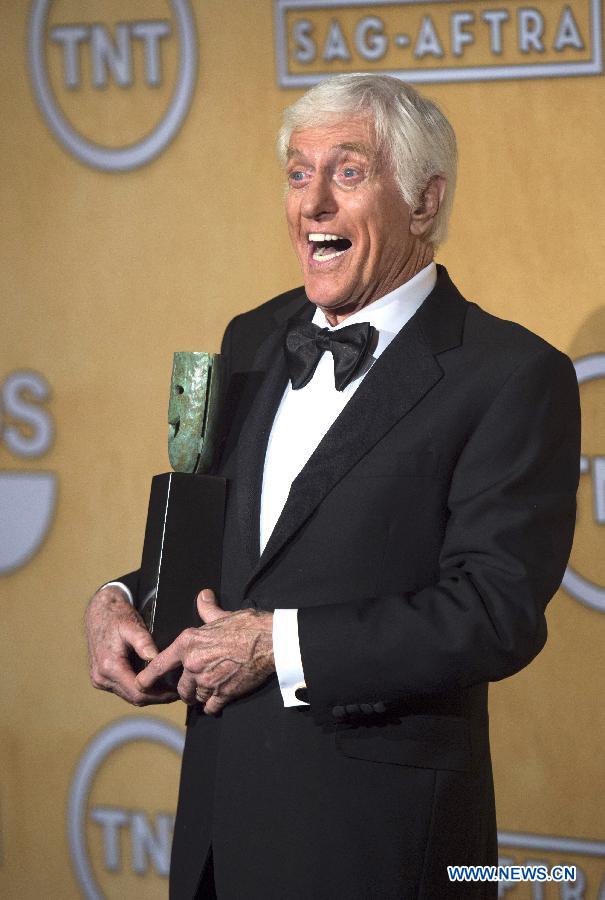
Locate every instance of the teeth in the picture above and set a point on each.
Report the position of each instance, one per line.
(325, 237)
(323, 254)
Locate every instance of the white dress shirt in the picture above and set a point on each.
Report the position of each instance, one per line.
(302, 419)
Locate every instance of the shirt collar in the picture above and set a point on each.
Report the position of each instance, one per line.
(389, 314)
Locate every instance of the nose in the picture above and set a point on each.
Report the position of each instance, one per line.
(319, 202)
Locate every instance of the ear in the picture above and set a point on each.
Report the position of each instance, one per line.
(422, 217)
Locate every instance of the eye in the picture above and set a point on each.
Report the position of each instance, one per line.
(296, 176)
(350, 175)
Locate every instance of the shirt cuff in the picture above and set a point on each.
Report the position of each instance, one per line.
(286, 651)
(122, 587)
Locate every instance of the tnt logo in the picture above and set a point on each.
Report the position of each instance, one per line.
(114, 91)
(27, 497)
(148, 839)
(120, 814)
(591, 507)
(111, 57)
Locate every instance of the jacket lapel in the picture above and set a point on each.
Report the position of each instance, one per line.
(403, 374)
(269, 375)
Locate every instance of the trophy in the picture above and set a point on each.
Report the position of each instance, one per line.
(184, 533)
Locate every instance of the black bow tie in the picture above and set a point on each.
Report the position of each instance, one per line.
(305, 343)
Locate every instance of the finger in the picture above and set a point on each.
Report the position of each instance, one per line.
(214, 705)
(123, 683)
(139, 699)
(187, 687)
(208, 607)
(136, 636)
(166, 661)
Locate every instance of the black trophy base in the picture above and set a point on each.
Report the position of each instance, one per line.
(182, 551)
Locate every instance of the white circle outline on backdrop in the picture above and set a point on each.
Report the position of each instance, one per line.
(111, 159)
(122, 731)
(588, 368)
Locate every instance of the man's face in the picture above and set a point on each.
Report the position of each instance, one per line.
(348, 223)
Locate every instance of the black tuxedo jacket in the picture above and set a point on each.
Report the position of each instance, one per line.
(421, 543)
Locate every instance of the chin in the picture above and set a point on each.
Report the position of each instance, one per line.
(325, 297)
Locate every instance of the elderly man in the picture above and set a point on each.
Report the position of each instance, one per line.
(402, 471)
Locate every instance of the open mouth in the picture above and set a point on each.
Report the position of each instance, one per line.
(327, 246)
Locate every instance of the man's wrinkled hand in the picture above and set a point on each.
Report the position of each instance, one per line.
(114, 630)
(227, 657)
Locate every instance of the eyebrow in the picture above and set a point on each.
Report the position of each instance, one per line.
(350, 146)
(357, 147)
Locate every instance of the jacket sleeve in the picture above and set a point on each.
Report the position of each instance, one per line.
(511, 514)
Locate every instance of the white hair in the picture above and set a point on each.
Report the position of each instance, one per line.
(411, 131)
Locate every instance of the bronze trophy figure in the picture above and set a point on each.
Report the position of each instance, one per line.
(193, 411)
(183, 537)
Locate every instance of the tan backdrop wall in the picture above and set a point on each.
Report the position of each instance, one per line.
(105, 273)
